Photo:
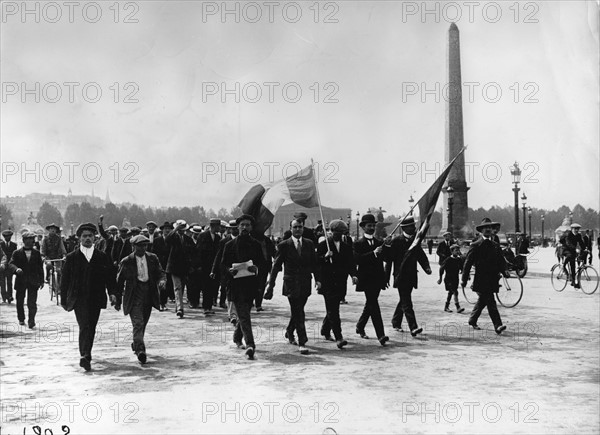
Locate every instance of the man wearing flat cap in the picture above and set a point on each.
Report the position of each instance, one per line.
(443, 249)
(405, 273)
(52, 248)
(369, 256)
(297, 255)
(6, 277)
(138, 281)
(208, 245)
(337, 263)
(243, 279)
(27, 265)
(486, 256)
(87, 277)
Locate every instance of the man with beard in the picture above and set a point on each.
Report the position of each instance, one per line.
(405, 273)
(369, 256)
(244, 280)
(87, 276)
(297, 254)
(337, 263)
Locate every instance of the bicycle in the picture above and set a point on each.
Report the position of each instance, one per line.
(585, 276)
(510, 291)
(54, 285)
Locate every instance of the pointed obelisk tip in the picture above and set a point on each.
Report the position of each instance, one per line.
(453, 26)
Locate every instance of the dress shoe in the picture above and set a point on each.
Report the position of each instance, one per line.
(85, 363)
(448, 310)
(398, 329)
(303, 350)
(31, 325)
(474, 326)
(250, 352)
(163, 308)
(577, 285)
(180, 314)
(460, 310)
(291, 339)
(416, 331)
(344, 302)
(239, 344)
(500, 329)
(341, 344)
(211, 312)
(142, 357)
(362, 334)
(383, 340)
(259, 309)
(22, 322)
(10, 300)
(327, 337)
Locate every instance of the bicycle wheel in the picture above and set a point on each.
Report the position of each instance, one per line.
(470, 296)
(588, 279)
(510, 291)
(559, 277)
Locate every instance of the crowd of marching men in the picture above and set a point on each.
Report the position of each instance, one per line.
(230, 266)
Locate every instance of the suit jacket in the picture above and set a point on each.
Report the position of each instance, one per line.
(570, 241)
(109, 241)
(443, 250)
(207, 249)
(334, 273)
(489, 262)
(217, 267)
(159, 247)
(308, 233)
(8, 248)
(127, 280)
(297, 268)
(33, 269)
(405, 264)
(121, 249)
(75, 281)
(239, 250)
(178, 262)
(370, 271)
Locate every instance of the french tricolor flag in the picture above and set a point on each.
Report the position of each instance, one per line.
(263, 201)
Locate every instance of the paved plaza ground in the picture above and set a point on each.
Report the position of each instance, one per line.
(540, 376)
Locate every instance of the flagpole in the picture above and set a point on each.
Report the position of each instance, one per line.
(416, 203)
(319, 202)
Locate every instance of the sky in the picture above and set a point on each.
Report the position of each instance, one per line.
(183, 103)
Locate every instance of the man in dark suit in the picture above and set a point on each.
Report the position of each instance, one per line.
(27, 264)
(337, 263)
(151, 226)
(486, 256)
(178, 264)
(220, 275)
(87, 276)
(443, 249)
(405, 273)
(139, 278)
(587, 242)
(570, 241)
(159, 247)
(121, 247)
(6, 277)
(243, 289)
(109, 236)
(369, 256)
(268, 250)
(308, 233)
(194, 277)
(297, 254)
(208, 246)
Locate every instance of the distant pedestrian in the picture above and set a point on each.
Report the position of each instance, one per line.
(452, 266)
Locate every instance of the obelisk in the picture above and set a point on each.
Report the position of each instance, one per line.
(455, 142)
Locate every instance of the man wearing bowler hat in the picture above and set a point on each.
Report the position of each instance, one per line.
(486, 256)
(138, 281)
(6, 277)
(243, 289)
(405, 273)
(369, 257)
(297, 255)
(87, 276)
(27, 265)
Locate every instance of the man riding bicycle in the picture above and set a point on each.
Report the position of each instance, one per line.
(569, 241)
(53, 248)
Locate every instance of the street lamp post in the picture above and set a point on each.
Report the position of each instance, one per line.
(529, 212)
(410, 203)
(524, 201)
(450, 192)
(515, 172)
(543, 241)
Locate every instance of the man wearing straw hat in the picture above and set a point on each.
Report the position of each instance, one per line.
(405, 273)
(486, 256)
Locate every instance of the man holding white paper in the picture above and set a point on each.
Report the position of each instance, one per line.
(242, 259)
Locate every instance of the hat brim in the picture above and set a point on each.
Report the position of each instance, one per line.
(488, 224)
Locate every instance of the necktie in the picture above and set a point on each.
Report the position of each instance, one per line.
(299, 248)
